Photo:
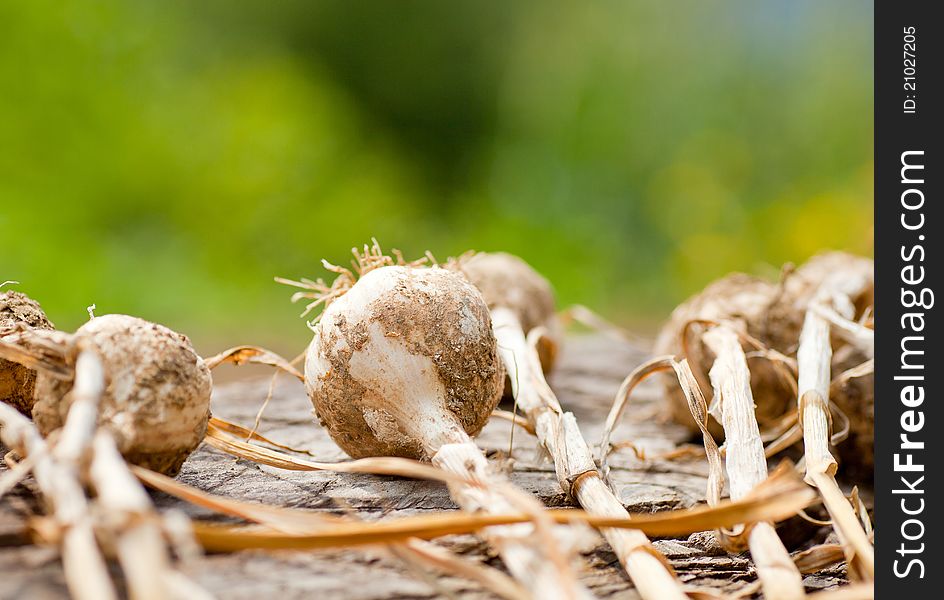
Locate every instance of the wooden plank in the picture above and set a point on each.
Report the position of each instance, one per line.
(589, 374)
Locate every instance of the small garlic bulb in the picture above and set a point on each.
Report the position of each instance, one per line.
(157, 394)
(17, 381)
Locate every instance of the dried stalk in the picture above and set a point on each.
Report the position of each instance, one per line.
(779, 497)
(745, 462)
(239, 355)
(425, 554)
(530, 551)
(58, 479)
(472, 484)
(220, 437)
(120, 499)
(815, 358)
(129, 518)
(576, 472)
(134, 523)
(17, 472)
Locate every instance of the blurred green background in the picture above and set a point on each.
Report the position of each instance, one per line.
(167, 159)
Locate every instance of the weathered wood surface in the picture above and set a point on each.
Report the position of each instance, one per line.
(588, 376)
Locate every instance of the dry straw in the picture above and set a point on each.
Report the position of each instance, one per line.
(119, 519)
(822, 311)
(420, 357)
(832, 307)
(779, 497)
(745, 462)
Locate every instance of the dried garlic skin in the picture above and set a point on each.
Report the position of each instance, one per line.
(507, 281)
(800, 286)
(856, 398)
(157, 391)
(17, 382)
(404, 356)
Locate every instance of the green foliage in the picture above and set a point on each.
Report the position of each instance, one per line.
(167, 159)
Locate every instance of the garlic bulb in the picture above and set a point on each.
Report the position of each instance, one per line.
(17, 381)
(157, 396)
(506, 281)
(404, 362)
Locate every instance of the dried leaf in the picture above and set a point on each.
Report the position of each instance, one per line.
(819, 557)
(299, 521)
(639, 374)
(425, 554)
(249, 434)
(14, 350)
(381, 465)
(780, 497)
(240, 355)
(511, 417)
